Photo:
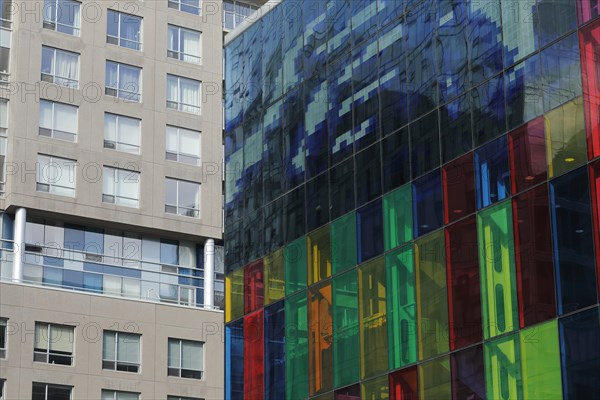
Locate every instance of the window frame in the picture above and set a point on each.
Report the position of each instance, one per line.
(50, 185)
(48, 385)
(116, 392)
(52, 129)
(177, 206)
(128, 367)
(178, 155)
(137, 96)
(171, 370)
(115, 172)
(179, 54)
(176, 4)
(179, 105)
(174, 397)
(52, 77)
(47, 353)
(118, 142)
(52, 22)
(119, 39)
(3, 337)
(3, 145)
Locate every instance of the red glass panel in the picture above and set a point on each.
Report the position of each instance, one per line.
(533, 256)
(253, 287)
(403, 384)
(464, 300)
(468, 379)
(527, 155)
(459, 188)
(595, 191)
(348, 393)
(254, 356)
(589, 43)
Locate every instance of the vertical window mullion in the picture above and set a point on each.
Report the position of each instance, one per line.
(52, 121)
(49, 336)
(46, 392)
(180, 357)
(116, 346)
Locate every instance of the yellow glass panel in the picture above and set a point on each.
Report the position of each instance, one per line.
(434, 379)
(234, 292)
(318, 244)
(274, 276)
(375, 389)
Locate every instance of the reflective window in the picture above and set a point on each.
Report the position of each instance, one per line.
(56, 175)
(183, 145)
(53, 344)
(118, 395)
(182, 198)
(58, 120)
(189, 6)
(60, 67)
(62, 16)
(122, 133)
(123, 81)
(121, 187)
(184, 44)
(47, 391)
(124, 30)
(121, 351)
(183, 94)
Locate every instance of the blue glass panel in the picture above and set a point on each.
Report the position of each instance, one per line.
(425, 144)
(452, 57)
(131, 273)
(364, 19)
(272, 61)
(94, 240)
(169, 252)
(90, 267)
(234, 360)
(253, 236)
(489, 116)
(234, 159)
(275, 352)
(338, 36)
(339, 87)
(389, 10)
(456, 129)
(293, 138)
(7, 230)
(492, 172)
(53, 276)
(273, 231)
(428, 212)
(253, 71)
(556, 17)
(369, 224)
(73, 278)
(573, 241)
(561, 72)
(524, 92)
(580, 355)
(54, 261)
(519, 23)
(234, 68)
(315, 29)
(365, 103)
(252, 176)
(315, 122)
(74, 237)
(92, 282)
(273, 155)
(395, 159)
(485, 39)
(317, 202)
(341, 187)
(234, 247)
(294, 214)
(292, 44)
(368, 175)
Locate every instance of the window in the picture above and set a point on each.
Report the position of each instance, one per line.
(3, 140)
(3, 323)
(182, 198)
(121, 186)
(60, 67)
(2, 389)
(6, 12)
(121, 351)
(189, 6)
(124, 30)
(183, 94)
(62, 16)
(53, 344)
(235, 12)
(123, 81)
(186, 358)
(56, 175)
(184, 44)
(122, 133)
(183, 145)
(182, 398)
(5, 38)
(47, 391)
(58, 121)
(115, 395)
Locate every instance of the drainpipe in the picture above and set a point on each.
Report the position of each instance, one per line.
(19, 244)
(209, 273)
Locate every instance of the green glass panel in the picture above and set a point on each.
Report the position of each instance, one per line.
(296, 346)
(540, 362)
(397, 217)
(295, 266)
(343, 243)
(234, 289)
(432, 295)
(497, 266)
(346, 360)
(565, 138)
(401, 307)
(435, 379)
(274, 279)
(375, 389)
(319, 255)
(373, 313)
(502, 368)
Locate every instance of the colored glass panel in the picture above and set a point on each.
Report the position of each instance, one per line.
(234, 292)
(295, 266)
(365, 85)
(457, 132)
(425, 144)
(373, 322)
(489, 112)
(348, 393)
(341, 188)
(368, 175)
(395, 160)
(524, 89)
(315, 97)
(369, 229)
(561, 72)
(451, 54)
(464, 300)
(397, 217)
(533, 256)
(234, 360)
(293, 204)
(519, 28)
(428, 211)
(503, 368)
(254, 347)
(595, 192)
(392, 76)
(375, 389)
(580, 355)
(253, 287)
(343, 243)
(401, 317)
(317, 202)
(556, 17)
(432, 295)
(492, 173)
(274, 276)
(404, 384)
(589, 45)
(485, 54)
(434, 379)
(587, 10)
(275, 351)
(565, 138)
(346, 363)
(320, 354)
(572, 241)
(540, 362)
(318, 244)
(468, 379)
(497, 270)
(527, 149)
(296, 346)
(459, 188)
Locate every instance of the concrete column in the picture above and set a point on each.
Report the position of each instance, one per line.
(209, 274)
(19, 244)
